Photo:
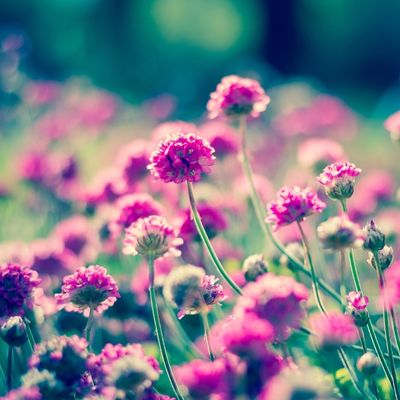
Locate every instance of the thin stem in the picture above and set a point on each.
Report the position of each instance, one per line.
(88, 327)
(206, 241)
(343, 291)
(362, 339)
(9, 367)
(159, 332)
(207, 335)
(395, 329)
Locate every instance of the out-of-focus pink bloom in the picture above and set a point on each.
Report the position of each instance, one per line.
(333, 330)
(392, 125)
(293, 204)
(317, 153)
(24, 393)
(161, 107)
(387, 221)
(357, 300)
(88, 288)
(56, 124)
(237, 96)
(182, 157)
(263, 186)
(15, 252)
(392, 277)
(34, 166)
(38, 93)
(277, 299)
(221, 137)
(169, 128)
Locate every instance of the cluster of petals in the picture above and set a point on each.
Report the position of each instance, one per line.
(357, 300)
(338, 171)
(181, 157)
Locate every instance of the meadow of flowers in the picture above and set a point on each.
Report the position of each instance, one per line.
(243, 255)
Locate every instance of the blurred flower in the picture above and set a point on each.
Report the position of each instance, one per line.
(392, 279)
(169, 128)
(56, 124)
(18, 288)
(293, 204)
(88, 288)
(161, 106)
(333, 330)
(339, 233)
(38, 93)
(13, 331)
(338, 180)
(385, 258)
(392, 125)
(254, 266)
(235, 96)
(368, 364)
(191, 290)
(374, 237)
(24, 393)
(151, 237)
(34, 166)
(182, 157)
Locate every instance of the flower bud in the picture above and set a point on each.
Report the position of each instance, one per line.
(368, 364)
(385, 257)
(357, 308)
(13, 331)
(374, 237)
(254, 266)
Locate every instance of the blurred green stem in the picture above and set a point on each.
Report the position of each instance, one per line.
(9, 367)
(395, 329)
(343, 292)
(207, 334)
(88, 329)
(206, 241)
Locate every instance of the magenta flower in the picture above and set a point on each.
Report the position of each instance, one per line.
(338, 179)
(88, 288)
(38, 93)
(293, 204)
(392, 277)
(182, 157)
(277, 299)
(392, 125)
(24, 393)
(152, 237)
(237, 96)
(18, 288)
(333, 330)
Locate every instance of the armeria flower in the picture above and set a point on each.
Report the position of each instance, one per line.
(277, 299)
(368, 364)
(191, 290)
(214, 222)
(293, 204)
(13, 331)
(24, 393)
(38, 93)
(152, 237)
(339, 233)
(181, 157)
(392, 125)
(385, 257)
(374, 237)
(88, 288)
(235, 96)
(357, 300)
(333, 330)
(357, 308)
(338, 180)
(254, 266)
(393, 285)
(18, 287)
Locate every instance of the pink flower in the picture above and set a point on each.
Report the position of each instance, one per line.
(392, 277)
(152, 237)
(293, 204)
(237, 96)
(392, 124)
(333, 330)
(357, 301)
(88, 288)
(41, 92)
(24, 393)
(182, 157)
(56, 124)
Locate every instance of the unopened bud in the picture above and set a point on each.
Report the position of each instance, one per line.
(13, 331)
(374, 237)
(254, 266)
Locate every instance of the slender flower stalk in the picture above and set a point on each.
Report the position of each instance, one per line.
(88, 328)
(207, 335)
(204, 237)
(9, 367)
(395, 329)
(342, 278)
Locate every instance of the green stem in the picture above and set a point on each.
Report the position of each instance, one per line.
(88, 327)
(206, 241)
(343, 291)
(9, 367)
(207, 335)
(395, 329)
(159, 332)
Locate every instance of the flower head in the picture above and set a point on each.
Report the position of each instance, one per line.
(88, 288)
(293, 204)
(339, 233)
(357, 307)
(385, 258)
(392, 125)
(18, 287)
(374, 237)
(24, 393)
(393, 285)
(254, 266)
(181, 157)
(151, 237)
(13, 331)
(191, 290)
(237, 96)
(338, 180)
(368, 364)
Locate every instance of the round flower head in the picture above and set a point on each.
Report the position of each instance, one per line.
(333, 330)
(385, 257)
(24, 393)
(254, 266)
(357, 307)
(88, 288)
(13, 331)
(368, 364)
(151, 237)
(392, 125)
(181, 157)
(339, 233)
(374, 237)
(191, 290)
(338, 180)
(293, 204)
(18, 286)
(236, 96)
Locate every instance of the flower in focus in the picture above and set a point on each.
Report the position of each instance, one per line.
(293, 204)
(18, 288)
(357, 307)
(191, 290)
(277, 299)
(338, 233)
(181, 157)
(235, 96)
(333, 330)
(151, 237)
(90, 288)
(392, 125)
(338, 180)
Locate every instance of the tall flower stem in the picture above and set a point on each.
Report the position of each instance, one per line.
(88, 328)
(206, 241)
(342, 279)
(386, 322)
(207, 335)
(9, 367)
(395, 329)
(159, 332)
